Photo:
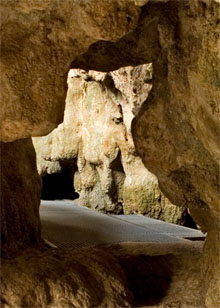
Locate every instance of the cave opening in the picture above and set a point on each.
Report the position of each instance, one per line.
(59, 185)
(177, 129)
(100, 108)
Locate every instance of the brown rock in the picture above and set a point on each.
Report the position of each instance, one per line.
(20, 197)
(127, 275)
(39, 40)
(177, 131)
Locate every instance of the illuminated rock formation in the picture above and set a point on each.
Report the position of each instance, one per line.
(176, 132)
(96, 131)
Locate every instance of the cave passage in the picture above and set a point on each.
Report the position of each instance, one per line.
(59, 185)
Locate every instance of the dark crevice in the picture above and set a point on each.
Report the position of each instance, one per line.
(59, 185)
(148, 277)
(189, 222)
(135, 48)
(118, 175)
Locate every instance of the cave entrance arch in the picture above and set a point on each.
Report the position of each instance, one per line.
(59, 185)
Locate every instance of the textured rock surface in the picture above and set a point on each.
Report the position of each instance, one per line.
(177, 131)
(39, 40)
(96, 130)
(20, 191)
(128, 275)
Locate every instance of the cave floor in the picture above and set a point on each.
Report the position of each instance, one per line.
(67, 225)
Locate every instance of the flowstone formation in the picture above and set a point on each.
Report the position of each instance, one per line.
(96, 132)
(176, 131)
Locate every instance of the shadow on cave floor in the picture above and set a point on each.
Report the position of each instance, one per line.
(159, 273)
(148, 277)
(67, 225)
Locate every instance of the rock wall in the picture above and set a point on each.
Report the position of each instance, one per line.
(111, 177)
(183, 149)
(39, 40)
(125, 275)
(20, 192)
(177, 131)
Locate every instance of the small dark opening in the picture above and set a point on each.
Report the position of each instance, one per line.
(189, 222)
(149, 277)
(118, 175)
(59, 185)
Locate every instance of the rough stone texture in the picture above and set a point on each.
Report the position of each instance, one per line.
(39, 40)
(100, 108)
(127, 275)
(20, 191)
(177, 131)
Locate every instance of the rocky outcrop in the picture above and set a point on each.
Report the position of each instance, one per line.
(39, 40)
(111, 177)
(183, 150)
(20, 197)
(128, 275)
(177, 130)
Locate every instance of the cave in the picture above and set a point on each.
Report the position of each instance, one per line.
(175, 134)
(119, 181)
(59, 185)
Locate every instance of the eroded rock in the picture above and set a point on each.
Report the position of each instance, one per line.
(111, 177)
(181, 39)
(39, 40)
(183, 149)
(127, 275)
(20, 197)
(177, 131)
